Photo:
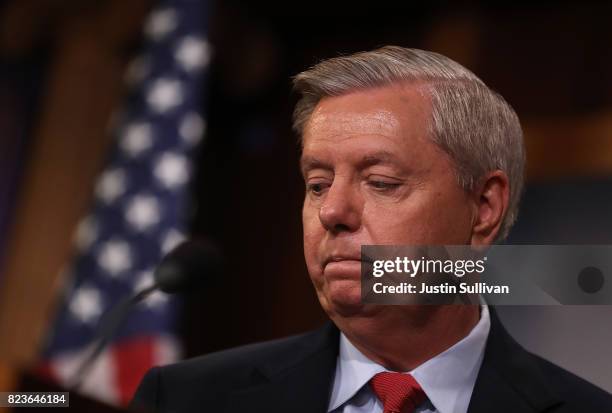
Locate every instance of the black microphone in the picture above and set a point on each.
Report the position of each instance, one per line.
(184, 268)
(187, 266)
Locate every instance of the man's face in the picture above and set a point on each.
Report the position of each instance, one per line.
(374, 177)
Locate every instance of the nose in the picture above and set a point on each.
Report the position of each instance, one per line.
(341, 209)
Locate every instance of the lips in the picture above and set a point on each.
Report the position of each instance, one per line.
(333, 258)
(342, 266)
(340, 258)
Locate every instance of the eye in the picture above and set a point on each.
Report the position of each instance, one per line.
(316, 188)
(383, 186)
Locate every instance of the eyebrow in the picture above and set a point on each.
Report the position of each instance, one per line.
(377, 158)
(308, 162)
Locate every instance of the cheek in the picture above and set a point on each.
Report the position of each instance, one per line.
(402, 225)
(449, 218)
(312, 234)
(426, 218)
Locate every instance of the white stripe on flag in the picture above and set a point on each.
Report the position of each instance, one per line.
(166, 350)
(99, 382)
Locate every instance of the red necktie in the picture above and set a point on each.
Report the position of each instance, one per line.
(399, 393)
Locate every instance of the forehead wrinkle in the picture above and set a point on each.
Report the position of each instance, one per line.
(345, 122)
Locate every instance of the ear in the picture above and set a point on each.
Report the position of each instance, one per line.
(491, 200)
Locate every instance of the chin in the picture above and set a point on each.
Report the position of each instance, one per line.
(342, 298)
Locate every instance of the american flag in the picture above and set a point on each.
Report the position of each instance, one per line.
(138, 212)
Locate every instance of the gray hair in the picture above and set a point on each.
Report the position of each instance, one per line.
(472, 123)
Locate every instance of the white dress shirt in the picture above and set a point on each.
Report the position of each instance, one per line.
(448, 379)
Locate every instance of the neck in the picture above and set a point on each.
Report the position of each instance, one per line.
(400, 338)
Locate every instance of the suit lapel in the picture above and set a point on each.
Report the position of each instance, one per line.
(509, 379)
(300, 383)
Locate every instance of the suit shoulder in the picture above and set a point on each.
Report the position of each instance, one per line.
(239, 362)
(577, 392)
(209, 380)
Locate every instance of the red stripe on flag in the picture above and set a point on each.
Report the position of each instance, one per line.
(45, 371)
(132, 360)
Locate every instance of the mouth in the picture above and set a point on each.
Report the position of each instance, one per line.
(344, 266)
(349, 258)
(340, 258)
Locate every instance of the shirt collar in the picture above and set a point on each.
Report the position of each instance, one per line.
(448, 378)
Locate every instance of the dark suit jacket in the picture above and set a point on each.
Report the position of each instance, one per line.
(295, 374)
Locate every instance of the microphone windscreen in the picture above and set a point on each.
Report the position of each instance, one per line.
(191, 264)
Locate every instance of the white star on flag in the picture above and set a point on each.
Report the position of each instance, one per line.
(192, 128)
(165, 94)
(160, 23)
(156, 299)
(86, 233)
(192, 53)
(86, 305)
(143, 212)
(111, 185)
(137, 138)
(143, 280)
(171, 240)
(115, 257)
(172, 170)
